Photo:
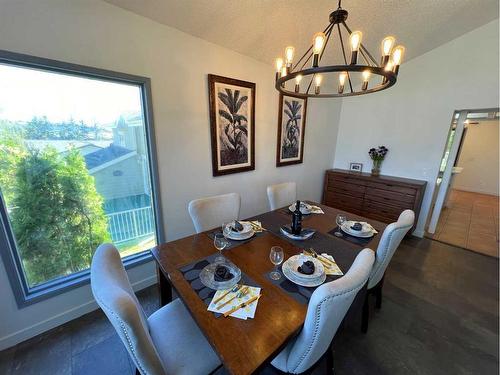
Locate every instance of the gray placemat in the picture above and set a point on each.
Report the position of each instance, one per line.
(299, 293)
(356, 240)
(233, 243)
(191, 273)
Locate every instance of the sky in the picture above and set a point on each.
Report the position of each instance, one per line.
(26, 93)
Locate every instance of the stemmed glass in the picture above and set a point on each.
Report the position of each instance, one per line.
(276, 255)
(340, 220)
(220, 243)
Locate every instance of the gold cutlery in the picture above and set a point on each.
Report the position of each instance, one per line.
(256, 226)
(325, 263)
(240, 294)
(234, 289)
(320, 257)
(241, 305)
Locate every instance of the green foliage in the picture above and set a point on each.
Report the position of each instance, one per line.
(11, 150)
(56, 214)
(41, 128)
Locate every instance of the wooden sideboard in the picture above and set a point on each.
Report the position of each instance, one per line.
(380, 198)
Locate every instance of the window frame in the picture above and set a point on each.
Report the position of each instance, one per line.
(23, 294)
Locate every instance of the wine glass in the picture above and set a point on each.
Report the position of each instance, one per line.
(276, 255)
(220, 243)
(340, 220)
(226, 229)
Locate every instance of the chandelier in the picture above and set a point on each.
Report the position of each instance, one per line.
(367, 74)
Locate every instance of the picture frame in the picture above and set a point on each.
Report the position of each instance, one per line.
(232, 124)
(356, 167)
(291, 130)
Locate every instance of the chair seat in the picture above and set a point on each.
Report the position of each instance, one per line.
(180, 344)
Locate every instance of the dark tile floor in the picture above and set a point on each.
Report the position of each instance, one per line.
(439, 316)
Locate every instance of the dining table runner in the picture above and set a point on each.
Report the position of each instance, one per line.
(191, 273)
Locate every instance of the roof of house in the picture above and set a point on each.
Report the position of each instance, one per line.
(105, 155)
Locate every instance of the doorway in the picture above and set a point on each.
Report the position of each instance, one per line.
(465, 211)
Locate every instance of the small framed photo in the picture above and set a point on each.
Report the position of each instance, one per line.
(356, 167)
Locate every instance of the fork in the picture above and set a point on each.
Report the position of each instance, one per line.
(240, 294)
(233, 290)
(320, 257)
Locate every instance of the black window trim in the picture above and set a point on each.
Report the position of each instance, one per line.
(24, 295)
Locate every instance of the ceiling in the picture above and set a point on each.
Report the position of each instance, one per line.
(262, 28)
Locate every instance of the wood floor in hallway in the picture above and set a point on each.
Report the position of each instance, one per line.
(470, 220)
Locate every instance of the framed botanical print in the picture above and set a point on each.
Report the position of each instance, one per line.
(291, 129)
(232, 124)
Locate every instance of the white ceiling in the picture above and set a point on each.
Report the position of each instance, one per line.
(262, 28)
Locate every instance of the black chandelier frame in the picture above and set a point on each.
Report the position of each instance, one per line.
(338, 18)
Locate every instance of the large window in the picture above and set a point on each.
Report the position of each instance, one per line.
(76, 169)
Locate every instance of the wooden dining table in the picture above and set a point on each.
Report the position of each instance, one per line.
(245, 346)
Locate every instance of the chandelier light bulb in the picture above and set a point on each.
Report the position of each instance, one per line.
(318, 42)
(397, 57)
(317, 46)
(279, 64)
(297, 82)
(342, 78)
(355, 41)
(386, 47)
(317, 81)
(283, 71)
(289, 51)
(387, 44)
(366, 77)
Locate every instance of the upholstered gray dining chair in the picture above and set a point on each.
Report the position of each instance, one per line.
(389, 242)
(326, 310)
(281, 195)
(168, 342)
(211, 212)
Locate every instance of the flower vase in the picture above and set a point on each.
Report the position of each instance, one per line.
(376, 167)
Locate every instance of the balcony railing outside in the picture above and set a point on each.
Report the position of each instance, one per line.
(131, 224)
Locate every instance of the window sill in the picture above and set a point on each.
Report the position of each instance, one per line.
(66, 283)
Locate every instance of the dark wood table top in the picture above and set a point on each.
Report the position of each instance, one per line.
(244, 345)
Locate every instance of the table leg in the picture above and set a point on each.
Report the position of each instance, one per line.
(164, 287)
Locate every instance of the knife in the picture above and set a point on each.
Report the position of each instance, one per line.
(241, 305)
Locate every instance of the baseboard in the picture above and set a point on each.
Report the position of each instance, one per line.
(475, 190)
(61, 318)
(418, 233)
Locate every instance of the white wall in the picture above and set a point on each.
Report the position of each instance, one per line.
(479, 158)
(94, 33)
(413, 117)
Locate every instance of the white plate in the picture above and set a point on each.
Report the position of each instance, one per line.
(295, 261)
(240, 237)
(366, 232)
(304, 208)
(247, 228)
(309, 284)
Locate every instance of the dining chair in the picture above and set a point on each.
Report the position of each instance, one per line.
(389, 242)
(211, 212)
(168, 342)
(327, 307)
(281, 195)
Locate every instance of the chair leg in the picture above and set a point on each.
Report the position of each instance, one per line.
(378, 294)
(365, 315)
(329, 360)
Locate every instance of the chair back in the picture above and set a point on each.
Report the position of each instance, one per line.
(281, 195)
(391, 238)
(211, 212)
(113, 293)
(326, 310)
